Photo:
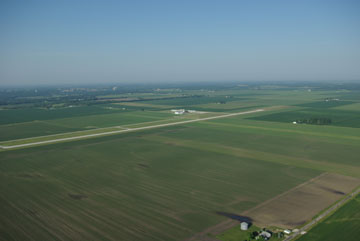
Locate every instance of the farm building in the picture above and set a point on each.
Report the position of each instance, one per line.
(183, 111)
(178, 112)
(265, 234)
(287, 231)
(244, 226)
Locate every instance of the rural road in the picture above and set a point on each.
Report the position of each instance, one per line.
(126, 130)
(321, 216)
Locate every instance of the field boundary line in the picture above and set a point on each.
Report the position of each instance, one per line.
(126, 130)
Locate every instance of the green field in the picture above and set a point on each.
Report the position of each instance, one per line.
(31, 114)
(344, 224)
(70, 124)
(166, 183)
(339, 117)
(131, 186)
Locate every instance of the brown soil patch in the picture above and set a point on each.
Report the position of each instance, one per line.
(292, 208)
(300, 204)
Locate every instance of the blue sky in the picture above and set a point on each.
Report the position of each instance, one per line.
(170, 41)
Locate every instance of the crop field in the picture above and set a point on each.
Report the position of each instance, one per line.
(344, 224)
(193, 100)
(345, 118)
(323, 149)
(298, 206)
(132, 186)
(31, 114)
(341, 112)
(173, 182)
(351, 107)
(326, 104)
(70, 124)
(31, 129)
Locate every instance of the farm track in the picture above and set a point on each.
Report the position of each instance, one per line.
(124, 131)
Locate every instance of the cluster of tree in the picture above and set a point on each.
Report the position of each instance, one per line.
(315, 121)
(60, 97)
(253, 235)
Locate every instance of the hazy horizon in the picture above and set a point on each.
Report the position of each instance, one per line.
(99, 42)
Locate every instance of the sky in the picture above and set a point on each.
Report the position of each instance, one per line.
(150, 41)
